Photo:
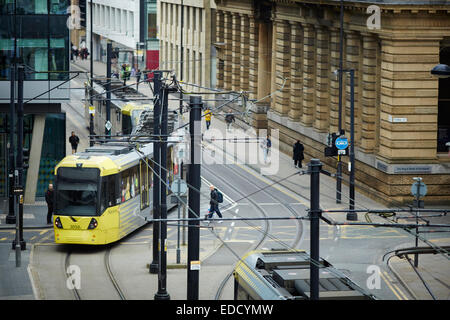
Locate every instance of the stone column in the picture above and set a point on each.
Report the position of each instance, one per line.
(245, 53)
(283, 66)
(264, 62)
(334, 81)
(309, 68)
(35, 159)
(409, 99)
(296, 76)
(220, 39)
(236, 52)
(369, 92)
(227, 50)
(322, 114)
(352, 59)
(253, 57)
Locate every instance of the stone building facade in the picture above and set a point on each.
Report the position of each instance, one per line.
(284, 52)
(188, 45)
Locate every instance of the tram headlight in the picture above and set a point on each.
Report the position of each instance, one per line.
(93, 224)
(58, 223)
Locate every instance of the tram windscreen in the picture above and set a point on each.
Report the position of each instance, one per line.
(76, 191)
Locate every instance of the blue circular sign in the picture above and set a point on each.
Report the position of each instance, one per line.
(341, 143)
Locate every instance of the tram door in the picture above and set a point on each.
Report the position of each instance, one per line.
(3, 166)
(144, 184)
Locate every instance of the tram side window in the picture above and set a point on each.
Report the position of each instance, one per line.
(150, 180)
(108, 195)
(129, 184)
(104, 196)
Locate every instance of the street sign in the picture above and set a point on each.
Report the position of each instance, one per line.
(18, 190)
(422, 190)
(108, 125)
(180, 185)
(92, 110)
(341, 143)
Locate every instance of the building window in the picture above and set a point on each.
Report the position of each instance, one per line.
(42, 38)
(444, 104)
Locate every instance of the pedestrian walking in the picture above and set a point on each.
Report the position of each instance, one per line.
(207, 117)
(298, 154)
(138, 78)
(216, 197)
(74, 141)
(266, 144)
(229, 119)
(49, 198)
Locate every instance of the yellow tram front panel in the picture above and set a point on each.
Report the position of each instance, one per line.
(73, 228)
(102, 195)
(76, 229)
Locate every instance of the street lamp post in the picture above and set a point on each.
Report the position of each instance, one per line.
(352, 216)
(181, 55)
(441, 71)
(339, 164)
(11, 217)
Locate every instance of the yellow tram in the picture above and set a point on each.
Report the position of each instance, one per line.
(104, 193)
(131, 113)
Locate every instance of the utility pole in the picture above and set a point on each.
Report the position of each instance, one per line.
(341, 44)
(19, 164)
(314, 214)
(162, 273)
(11, 217)
(108, 85)
(193, 264)
(181, 55)
(91, 116)
(154, 266)
(352, 216)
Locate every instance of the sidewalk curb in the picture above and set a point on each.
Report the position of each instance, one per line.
(400, 279)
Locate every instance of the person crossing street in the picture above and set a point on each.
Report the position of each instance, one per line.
(215, 198)
(207, 117)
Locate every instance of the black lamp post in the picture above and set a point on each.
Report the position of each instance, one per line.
(352, 216)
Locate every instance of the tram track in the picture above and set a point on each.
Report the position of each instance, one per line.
(108, 271)
(267, 222)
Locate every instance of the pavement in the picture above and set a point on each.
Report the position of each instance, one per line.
(433, 268)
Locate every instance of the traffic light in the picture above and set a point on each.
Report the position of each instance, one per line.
(82, 5)
(331, 150)
(26, 158)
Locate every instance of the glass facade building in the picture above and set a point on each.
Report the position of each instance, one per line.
(37, 34)
(37, 31)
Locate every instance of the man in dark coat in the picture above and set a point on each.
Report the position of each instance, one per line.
(229, 119)
(49, 198)
(214, 203)
(74, 141)
(298, 154)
